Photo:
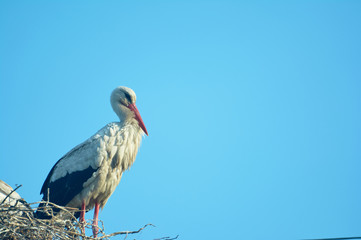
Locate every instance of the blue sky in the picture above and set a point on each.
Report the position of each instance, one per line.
(252, 109)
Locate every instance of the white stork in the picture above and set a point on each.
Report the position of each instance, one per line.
(87, 175)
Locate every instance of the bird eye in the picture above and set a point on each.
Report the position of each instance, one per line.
(128, 97)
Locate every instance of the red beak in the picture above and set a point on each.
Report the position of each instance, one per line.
(138, 117)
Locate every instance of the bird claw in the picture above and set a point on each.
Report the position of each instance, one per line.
(95, 231)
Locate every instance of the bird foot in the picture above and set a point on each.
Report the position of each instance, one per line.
(82, 227)
(95, 231)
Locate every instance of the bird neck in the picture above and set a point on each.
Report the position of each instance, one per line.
(131, 138)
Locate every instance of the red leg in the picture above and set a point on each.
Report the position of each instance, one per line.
(95, 220)
(82, 217)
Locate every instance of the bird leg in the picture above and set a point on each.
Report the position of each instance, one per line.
(82, 217)
(95, 220)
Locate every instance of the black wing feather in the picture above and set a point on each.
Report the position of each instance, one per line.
(64, 189)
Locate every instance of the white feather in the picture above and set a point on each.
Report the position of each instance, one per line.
(110, 152)
(113, 150)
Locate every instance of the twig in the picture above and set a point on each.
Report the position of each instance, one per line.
(18, 222)
(167, 238)
(341, 238)
(10, 193)
(125, 232)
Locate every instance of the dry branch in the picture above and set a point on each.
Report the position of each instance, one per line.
(18, 222)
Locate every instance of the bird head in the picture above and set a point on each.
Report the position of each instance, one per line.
(123, 103)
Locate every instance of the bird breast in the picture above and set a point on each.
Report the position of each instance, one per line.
(116, 148)
(119, 146)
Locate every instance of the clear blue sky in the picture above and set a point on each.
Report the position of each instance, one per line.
(252, 108)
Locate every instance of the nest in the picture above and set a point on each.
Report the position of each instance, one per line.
(17, 221)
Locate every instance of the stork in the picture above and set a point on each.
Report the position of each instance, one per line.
(87, 175)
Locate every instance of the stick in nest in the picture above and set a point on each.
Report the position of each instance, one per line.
(19, 223)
